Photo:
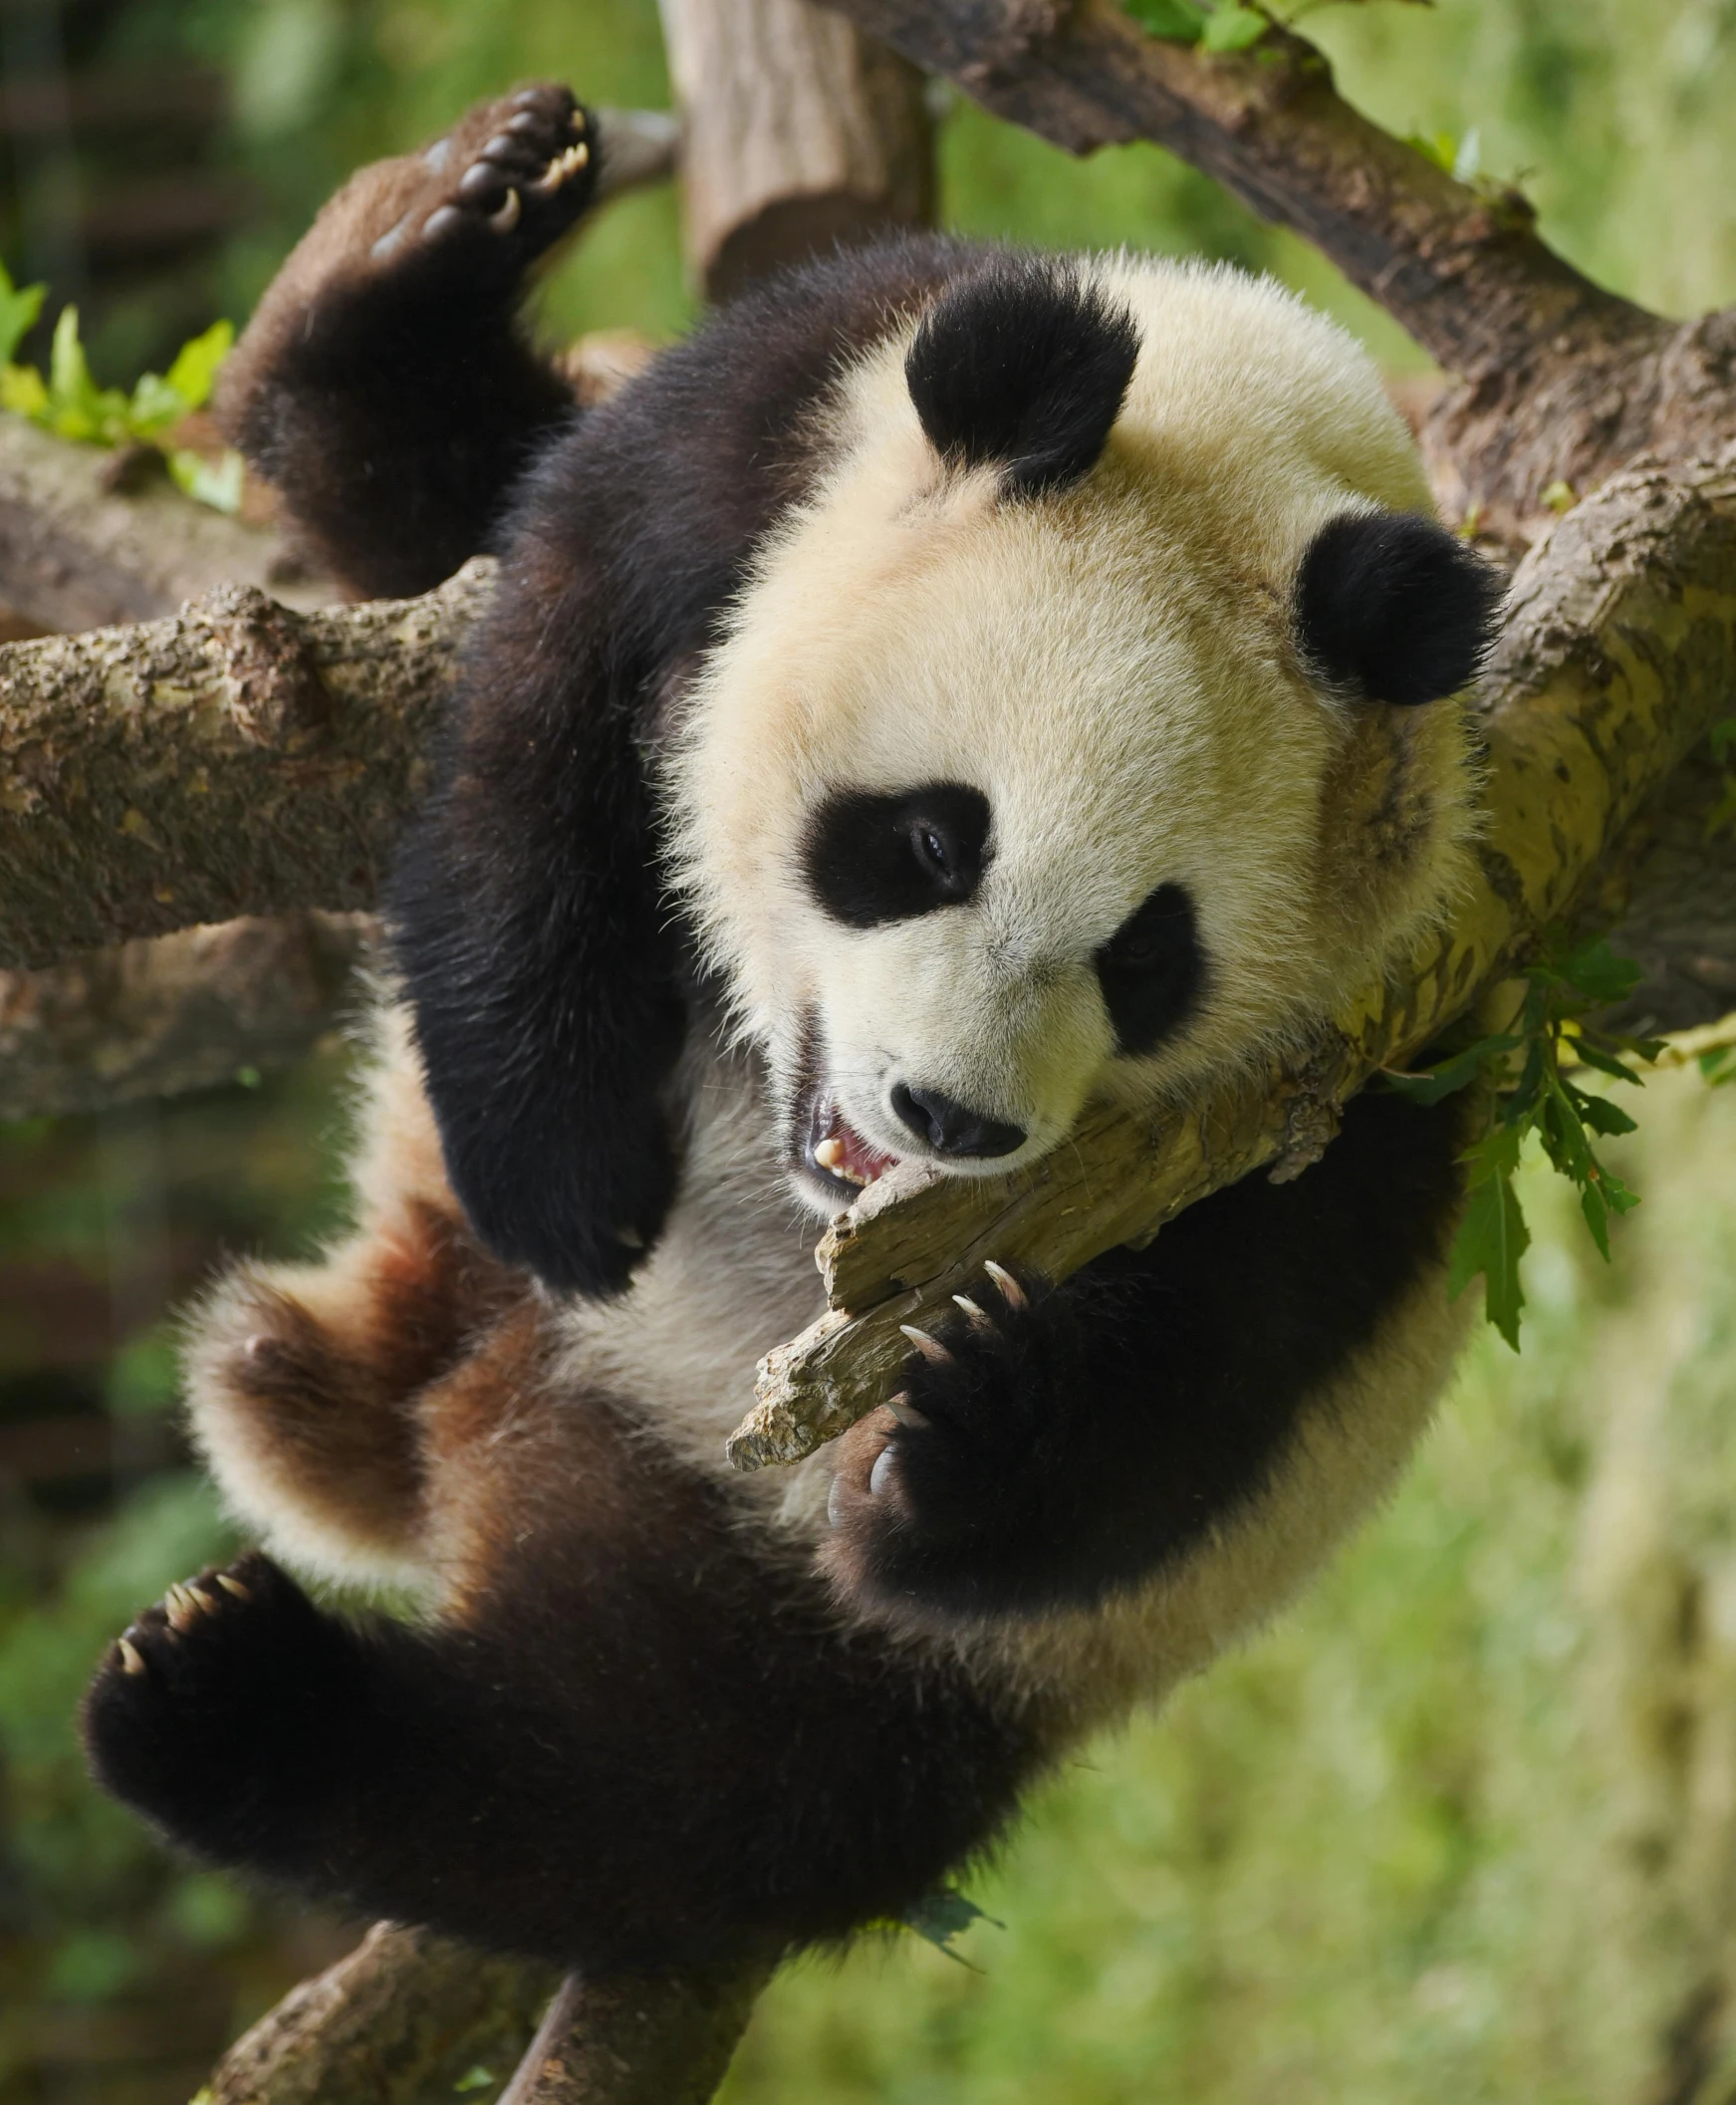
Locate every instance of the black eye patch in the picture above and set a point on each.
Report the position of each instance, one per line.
(873, 858)
(1151, 970)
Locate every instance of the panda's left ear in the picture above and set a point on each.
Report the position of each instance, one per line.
(1390, 606)
(1021, 366)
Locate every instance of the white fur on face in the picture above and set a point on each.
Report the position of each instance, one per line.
(1112, 667)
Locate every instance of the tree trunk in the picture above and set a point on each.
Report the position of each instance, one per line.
(796, 132)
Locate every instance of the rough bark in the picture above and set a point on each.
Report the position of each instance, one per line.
(237, 759)
(1618, 655)
(1558, 379)
(796, 132)
(638, 2040)
(77, 552)
(185, 1011)
(402, 2019)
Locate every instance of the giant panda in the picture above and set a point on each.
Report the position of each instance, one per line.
(955, 687)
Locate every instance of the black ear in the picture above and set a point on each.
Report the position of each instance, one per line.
(1393, 608)
(1021, 366)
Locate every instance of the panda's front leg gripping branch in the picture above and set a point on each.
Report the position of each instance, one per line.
(1618, 656)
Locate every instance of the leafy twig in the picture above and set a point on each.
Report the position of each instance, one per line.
(70, 403)
(1549, 1037)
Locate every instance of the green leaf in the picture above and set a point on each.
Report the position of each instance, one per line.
(22, 393)
(1428, 1085)
(217, 482)
(76, 406)
(1439, 147)
(943, 1914)
(1606, 1118)
(1233, 29)
(477, 2078)
(1607, 1063)
(1181, 21)
(1719, 1065)
(1597, 1218)
(19, 307)
(1493, 1237)
(194, 371)
(1593, 970)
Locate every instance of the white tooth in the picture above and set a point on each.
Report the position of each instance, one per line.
(829, 1154)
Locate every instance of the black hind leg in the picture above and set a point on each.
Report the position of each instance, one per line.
(223, 1714)
(382, 384)
(628, 1764)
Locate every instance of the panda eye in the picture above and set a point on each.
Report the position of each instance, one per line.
(1151, 970)
(933, 852)
(873, 856)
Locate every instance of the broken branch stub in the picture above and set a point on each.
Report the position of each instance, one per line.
(1620, 652)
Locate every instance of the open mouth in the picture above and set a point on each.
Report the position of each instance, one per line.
(832, 1150)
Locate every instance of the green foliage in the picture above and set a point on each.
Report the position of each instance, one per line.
(72, 405)
(1718, 1066)
(1543, 1100)
(942, 1916)
(1224, 26)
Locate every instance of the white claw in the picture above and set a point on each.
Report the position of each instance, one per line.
(563, 165)
(233, 1586)
(1012, 1293)
(980, 1319)
(881, 1472)
(905, 1410)
(506, 219)
(184, 1607)
(131, 1659)
(931, 1349)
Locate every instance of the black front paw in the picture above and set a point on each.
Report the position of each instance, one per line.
(946, 1501)
(213, 1715)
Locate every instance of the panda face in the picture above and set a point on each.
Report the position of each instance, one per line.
(991, 804)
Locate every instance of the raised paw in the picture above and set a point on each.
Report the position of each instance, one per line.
(209, 1712)
(937, 1501)
(509, 178)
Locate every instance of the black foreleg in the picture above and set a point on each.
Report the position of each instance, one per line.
(1056, 1444)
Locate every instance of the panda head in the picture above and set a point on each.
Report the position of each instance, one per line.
(1087, 731)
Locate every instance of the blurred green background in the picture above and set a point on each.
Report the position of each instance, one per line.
(1464, 1827)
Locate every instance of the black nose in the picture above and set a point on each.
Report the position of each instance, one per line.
(950, 1129)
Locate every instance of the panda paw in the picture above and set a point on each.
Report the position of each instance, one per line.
(508, 180)
(939, 1503)
(206, 1714)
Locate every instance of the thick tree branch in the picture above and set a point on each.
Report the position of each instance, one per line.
(1469, 279)
(638, 2040)
(402, 2019)
(185, 1011)
(1560, 382)
(1618, 655)
(237, 759)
